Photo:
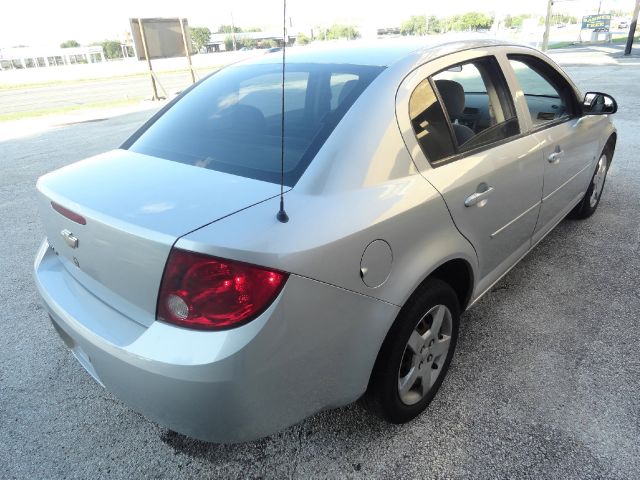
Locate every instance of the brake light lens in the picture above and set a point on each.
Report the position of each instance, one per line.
(73, 216)
(209, 293)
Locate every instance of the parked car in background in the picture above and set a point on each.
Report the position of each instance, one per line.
(415, 174)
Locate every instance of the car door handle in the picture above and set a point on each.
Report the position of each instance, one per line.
(477, 197)
(555, 156)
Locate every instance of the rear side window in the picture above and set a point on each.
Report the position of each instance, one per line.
(429, 123)
(465, 107)
(478, 103)
(231, 122)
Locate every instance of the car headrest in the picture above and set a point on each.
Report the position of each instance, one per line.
(347, 88)
(241, 117)
(452, 95)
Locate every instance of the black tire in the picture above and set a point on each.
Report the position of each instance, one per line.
(586, 207)
(382, 397)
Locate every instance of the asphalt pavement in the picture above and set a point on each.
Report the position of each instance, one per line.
(544, 383)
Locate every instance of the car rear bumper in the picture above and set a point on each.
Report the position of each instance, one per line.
(313, 349)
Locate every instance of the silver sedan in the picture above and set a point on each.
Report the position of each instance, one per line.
(414, 176)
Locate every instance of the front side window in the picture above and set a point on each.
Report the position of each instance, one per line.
(548, 95)
(231, 122)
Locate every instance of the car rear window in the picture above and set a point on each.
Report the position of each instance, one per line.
(231, 122)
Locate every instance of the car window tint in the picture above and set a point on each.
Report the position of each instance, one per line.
(429, 123)
(546, 94)
(264, 92)
(231, 121)
(342, 84)
(466, 75)
(478, 103)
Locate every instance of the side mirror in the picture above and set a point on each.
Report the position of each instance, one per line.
(596, 103)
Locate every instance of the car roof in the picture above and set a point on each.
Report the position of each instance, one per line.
(383, 52)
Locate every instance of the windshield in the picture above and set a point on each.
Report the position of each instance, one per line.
(231, 122)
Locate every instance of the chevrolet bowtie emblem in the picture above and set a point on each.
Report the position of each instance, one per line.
(69, 238)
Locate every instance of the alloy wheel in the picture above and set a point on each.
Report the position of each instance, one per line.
(598, 181)
(425, 354)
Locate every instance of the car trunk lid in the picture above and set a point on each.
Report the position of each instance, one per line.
(135, 207)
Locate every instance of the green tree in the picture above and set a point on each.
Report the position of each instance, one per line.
(228, 29)
(563, 18)
(69, 44)
(433, 25)
(519, 20)
(508, 21)
(302, 39)
(421, 25)
(416, 25)
(200, 36)
(240, 43)
(246, 43)
(515, 22)
(341, 31)
(228, 43)
(268, 43)
(110, 48)
(469, 21)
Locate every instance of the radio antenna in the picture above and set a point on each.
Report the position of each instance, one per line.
(282, 215)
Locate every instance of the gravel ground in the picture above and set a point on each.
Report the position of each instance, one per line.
(544, 382)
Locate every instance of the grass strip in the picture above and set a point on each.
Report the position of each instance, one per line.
(615, 40)
(24, 86)
(5, 117)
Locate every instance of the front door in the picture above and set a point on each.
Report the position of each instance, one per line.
(566, 141)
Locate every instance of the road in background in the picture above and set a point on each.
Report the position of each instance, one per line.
(69, 94)
(544, 383)
(116, 68)
(26, 92)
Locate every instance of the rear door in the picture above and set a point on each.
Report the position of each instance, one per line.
(567, 143)
(463, 132)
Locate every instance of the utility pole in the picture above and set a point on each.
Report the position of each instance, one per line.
(146, 56)
(233, 33)
(632, 29)
(547, 22)
(187, 49)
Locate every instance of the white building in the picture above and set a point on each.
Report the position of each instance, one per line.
(36, 57)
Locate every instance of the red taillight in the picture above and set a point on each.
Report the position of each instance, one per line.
(209, 293)
(68, 213)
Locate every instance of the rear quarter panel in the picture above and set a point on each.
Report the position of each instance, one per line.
(327, 234)
(362, 186)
